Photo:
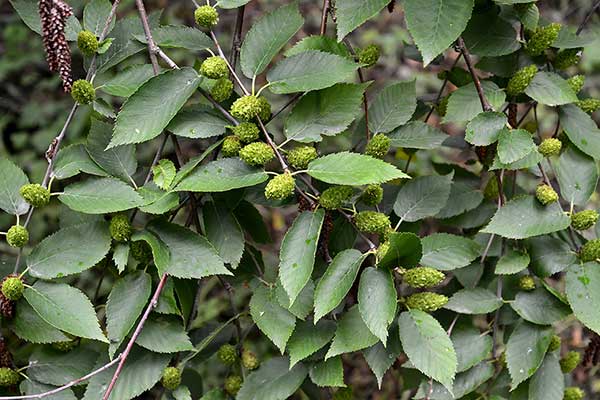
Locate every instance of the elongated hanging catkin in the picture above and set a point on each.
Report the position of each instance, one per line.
(54, 14)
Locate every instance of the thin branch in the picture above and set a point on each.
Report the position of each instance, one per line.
(231, 70)
(280, 158)
(326, 6)
(361, 78)
(485, 104)
(588, 17)
(68, 385)
(237, 37)
(441, 91)
(286, 105)
(152, 48)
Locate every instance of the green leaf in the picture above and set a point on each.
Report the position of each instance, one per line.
(141, 372)
(178, 36)
(69, 251)
(540, 307)
(583, 292)
(471, 346)
(191, 165)
(274, 321)
(548, 383)
(165, 94)
(525, 351)
(100, 196)
(531, 160)
(328, 373)
(307, 339)
(464, 103)
(274, 380)
(28, 325)
(11, 180)
(550, 255)
(310, 70)
(393, 106)
(337, 281)
(167, 304)
(380, 358)
(512, 262)
(428, 346)
(513, 145)
(405, 249)
(435, 24)
(224, 232)
(485, 128)
(321, 43)
(324, 112)
(157, 201)
(462, 198)
(352, 169)
(377, 301)
(581, 129)
(95, 15)
(119, 162)
(160, 251)
(164, 173)
(304, 302)
(525, 217)
(198, 122)
(57, 368)
(550, 89)
(267, 36)
(192, 256)
(576, 188)
(127, 82)
(231, 3)
(103, 108)
(164, 335)
(465, 383)
(298, 250)
(474, 301)
(488, 34)
(569, 39)
(126, 301)
(417, 135)
(423, 197)
(65, 308)
(351, 334)
(351, 14)
(220, 176)
(72, 160)
(30, 387)
(446, 252)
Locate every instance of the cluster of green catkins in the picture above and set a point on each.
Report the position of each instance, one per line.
(372, 222)
(233, 384)
(9, 377)
(206, 16)
(369, 55)
(426, 301)
(248, 107)
(221, 90)
(567, 58)
(280, 187)
(120, 228)
(300, 157)
(542, 38)
(87, 42)
(422, 277)
(378, 146)
(573, 393)
(83, 92)
(569, 362)
(584, 219)
(171, 378)
(12, 288)
(546, 194)
(520, 80)
(527, 283)
(550, 147)
(590, 251)
(17, 236)
(35, 194)
(334, 197)
(372, 195)
(214, 67)
(555, 343)
(257, 154)
(246, 131)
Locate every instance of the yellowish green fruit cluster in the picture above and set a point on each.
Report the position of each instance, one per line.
(426, 301)
(17, 236)
(372, 195)
(344, 394)
(334, 197)
(520, 80)
(590, 251)
(233, 384)
(248, 107)
(9, 377)
(257, 153)
(542, 38)
(214, 67)
(249, 360)
(382, 250)
(246, 131)
(589, 105)
(227, 354)
(570, 361)
(65, 346)
(550, 147)
(545, 194)
(120, 228)
(231, 146)
(87, 42)
(527, 283)
(369, 55)
(280, 187)
(206, 16)
(221, 90)
(12, 288)
(372, 222)
(35, 194)
(491, 190)
(441, 107)
(423, 277)
(83, 92)
(583, 220)
(300, 157)
(378, 146)
(554, 343)
(141, 252)
(567, 58)
(573, 393)
(576, 83)
(171, 378)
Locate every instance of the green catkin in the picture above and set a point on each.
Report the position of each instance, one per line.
(542, 38)
(257, 153)
(221, 90)
(206, 16)
(248, 107)
(300, 157)
(576, 83)
(35, 194)
(17, 236)
(233, 384)
(12, 288)
(567, 58)
(590, 251)
(334, 197)
(423, 277)
(569, 362)
(120, 228)
(369, 55)
(584, 219)
(426, 301)
(573, 393)
(248, 132)
(554, 343)
(372, 195)
(280, 187)
(214, 67)
(520, 80)
(550, 147)
(589, 105)
(378, 146)
(87, 42)
(491, 190)
(83, 92)
(141, 252)
(171, 378)
(249, 360)
(9, 377)
(231, 146)
(545, 194)
(372, 222)
(527, 283)
(227, 354)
